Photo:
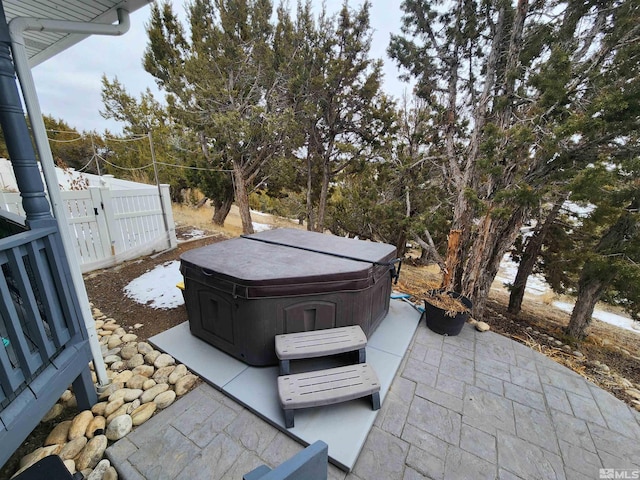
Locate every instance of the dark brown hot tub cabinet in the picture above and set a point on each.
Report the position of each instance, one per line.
(241, 293)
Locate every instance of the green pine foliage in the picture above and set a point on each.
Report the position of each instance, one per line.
(531, 94)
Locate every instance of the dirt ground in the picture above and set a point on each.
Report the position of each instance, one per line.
(105, 289)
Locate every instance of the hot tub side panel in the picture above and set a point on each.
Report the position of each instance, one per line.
(246, 328)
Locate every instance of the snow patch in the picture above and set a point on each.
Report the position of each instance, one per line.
(260, 227)
(157, 288)
(193, 234)
(607, 317)
(536, 285)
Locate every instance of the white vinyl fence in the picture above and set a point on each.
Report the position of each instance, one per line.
(111, 226)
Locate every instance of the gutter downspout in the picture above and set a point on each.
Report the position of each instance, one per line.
(16, 28)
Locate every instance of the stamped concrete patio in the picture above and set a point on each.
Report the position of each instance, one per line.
(474, 406)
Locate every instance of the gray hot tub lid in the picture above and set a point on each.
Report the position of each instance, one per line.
(329, 244)
(286, 260)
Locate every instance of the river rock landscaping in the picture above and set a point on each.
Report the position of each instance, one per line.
(143, 381)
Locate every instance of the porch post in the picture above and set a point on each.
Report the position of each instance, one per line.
(28, 175)
(25, 167)
(20, 58)
(17, 138)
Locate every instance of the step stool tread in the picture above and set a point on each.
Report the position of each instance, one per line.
(326, 387)
(319, 343)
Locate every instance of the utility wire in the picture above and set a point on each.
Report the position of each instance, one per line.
(124, 140)
(126, 168)
(135, 138)
(85, 166)
(195, 168)
(64, 141)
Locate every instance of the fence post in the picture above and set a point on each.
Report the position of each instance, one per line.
(115, 236)
(101, 221)
(165, 198)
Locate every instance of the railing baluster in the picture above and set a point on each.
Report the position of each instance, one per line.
(38, 256)
(62, 280)
(28, 361)
(22, 322)
(10, 377)
(32, 318)
(2, 394)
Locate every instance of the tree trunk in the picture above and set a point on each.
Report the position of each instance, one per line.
(465, 178)
(429, 251)
(201, 203)
(479, 254)
(311, 221)
(459, 241)
(453, 258)
(324, 195)
(401, 238)
(401, 243)
(242, 199)
(529, 258)
(221, 209)
(594, 279)
(489, 246)
(525, 268)
(589, 293)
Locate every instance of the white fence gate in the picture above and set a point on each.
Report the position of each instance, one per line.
(111, 226)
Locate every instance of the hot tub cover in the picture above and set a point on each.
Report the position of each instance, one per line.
(290, 262)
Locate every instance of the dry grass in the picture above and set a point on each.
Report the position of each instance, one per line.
(201, 218)
(443, 301)
(419, 280)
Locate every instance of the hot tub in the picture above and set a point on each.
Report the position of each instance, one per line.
(241, 293)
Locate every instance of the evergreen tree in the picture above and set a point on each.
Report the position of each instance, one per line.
(334, 89)
(71, 148)
(221, 84)
(514, 85)
(398, 197)
(145, 121)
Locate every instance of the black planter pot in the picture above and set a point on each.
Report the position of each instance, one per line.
(437, 319)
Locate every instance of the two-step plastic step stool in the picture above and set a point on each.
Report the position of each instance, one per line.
(329, 386)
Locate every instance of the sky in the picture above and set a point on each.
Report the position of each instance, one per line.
(69, 84)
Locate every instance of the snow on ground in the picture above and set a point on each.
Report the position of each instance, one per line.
(157, 287)
(610, 318)
(536, 285)
(260, 227)
(194, 234)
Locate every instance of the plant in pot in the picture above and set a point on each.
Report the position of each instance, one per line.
(446, 312)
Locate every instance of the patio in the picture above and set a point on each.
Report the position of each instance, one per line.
(477, 405)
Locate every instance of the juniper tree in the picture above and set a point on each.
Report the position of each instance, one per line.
(513, 81)
(144, 120)
(398, 197)
(221, 84)
(334, 88)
